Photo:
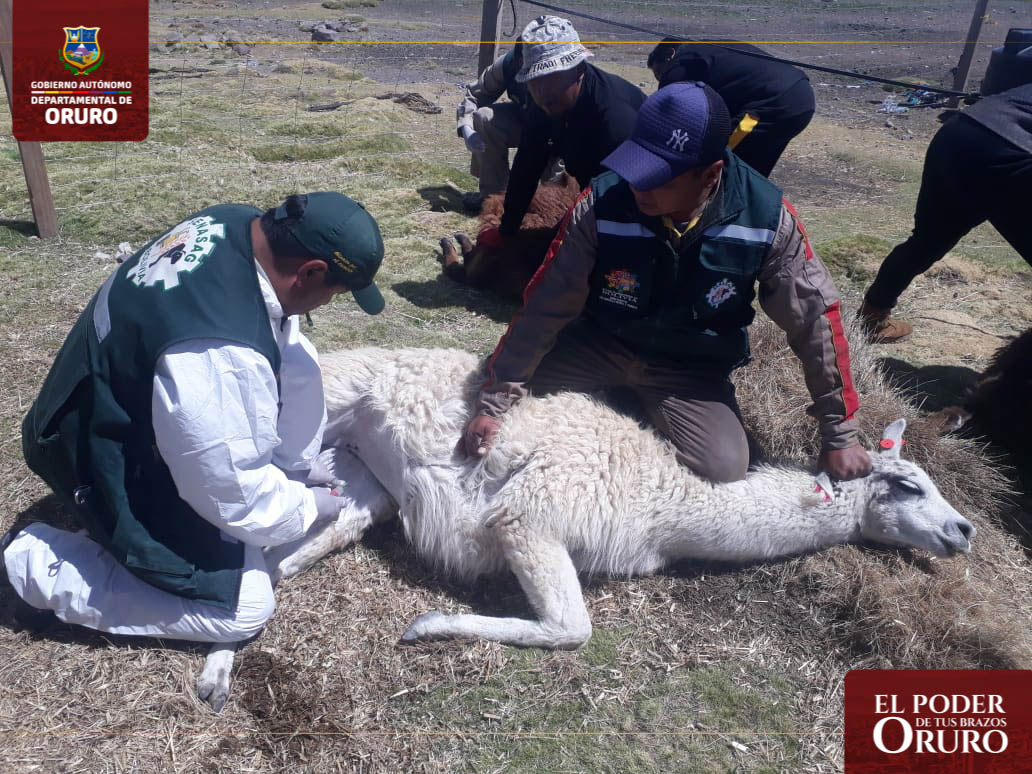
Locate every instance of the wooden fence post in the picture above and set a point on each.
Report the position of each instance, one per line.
(33, 165)
(489, 23)
(964, 66)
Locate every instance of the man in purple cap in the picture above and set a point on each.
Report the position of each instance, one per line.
(649, 285)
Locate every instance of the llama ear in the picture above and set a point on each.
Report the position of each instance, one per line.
(892, 439)
(823, 488)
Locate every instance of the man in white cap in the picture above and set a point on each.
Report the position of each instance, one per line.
(580, 113)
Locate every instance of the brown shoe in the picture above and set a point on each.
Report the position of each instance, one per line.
(880, 327)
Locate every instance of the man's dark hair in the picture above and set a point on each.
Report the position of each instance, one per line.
(285, 247)
(666, 48)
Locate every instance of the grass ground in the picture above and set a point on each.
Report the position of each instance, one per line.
(718, 652)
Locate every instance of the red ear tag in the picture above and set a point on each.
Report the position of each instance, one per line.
(887, 443)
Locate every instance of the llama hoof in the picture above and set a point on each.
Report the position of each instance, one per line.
(213, 688)
(949, 419)
(216, 676)
(465, 243)
(448, 254)
(422, 628)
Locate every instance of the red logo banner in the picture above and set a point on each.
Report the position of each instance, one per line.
(80, 70)
(938, 721)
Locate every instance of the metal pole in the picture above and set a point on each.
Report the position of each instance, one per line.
(489, 23)
(964, 66)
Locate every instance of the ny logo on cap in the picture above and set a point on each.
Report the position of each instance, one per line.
(678, 138)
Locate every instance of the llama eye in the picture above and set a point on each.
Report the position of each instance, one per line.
(907, 486)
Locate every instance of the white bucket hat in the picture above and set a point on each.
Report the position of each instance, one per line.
(550, 45)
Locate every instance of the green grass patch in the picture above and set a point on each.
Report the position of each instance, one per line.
(361, 148)
(855, 257)
(719, 698)
(894, 169)
(341, 5)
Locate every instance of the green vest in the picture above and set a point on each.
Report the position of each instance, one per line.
(89, 434)
(691, 305)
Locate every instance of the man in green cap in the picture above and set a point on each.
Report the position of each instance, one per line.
(182, 419)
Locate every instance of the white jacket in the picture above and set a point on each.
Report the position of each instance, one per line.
(228, 433)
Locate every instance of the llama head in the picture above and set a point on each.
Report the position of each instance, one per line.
(904, 508)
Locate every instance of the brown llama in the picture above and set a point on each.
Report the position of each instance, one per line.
(507, 270)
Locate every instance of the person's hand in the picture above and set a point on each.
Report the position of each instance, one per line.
(480, 434)
(475, 142)
(490, 238)
(846, 464)
(327, 504)
(320, 474)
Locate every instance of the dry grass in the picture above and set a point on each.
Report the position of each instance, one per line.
(892, 607)
(704, 648)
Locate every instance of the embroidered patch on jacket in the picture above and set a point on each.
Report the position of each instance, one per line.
(623, 280)
(720, 293)
(184, 248)
(622, 288)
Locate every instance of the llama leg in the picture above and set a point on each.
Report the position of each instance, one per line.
(368, 504)
(452, 263)
(213, 683)
(549, 579)
(465, 244)
(449, 255)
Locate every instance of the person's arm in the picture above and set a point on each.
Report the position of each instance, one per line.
(215, 412)
(799, 295)
(485, 91)
(554, 297)
(617, 125)
(527, 168)
(302, 403)
(688, 65)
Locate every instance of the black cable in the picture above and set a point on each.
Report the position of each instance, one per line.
(968, 95)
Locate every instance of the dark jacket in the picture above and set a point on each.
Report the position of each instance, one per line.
(602, 118)
(794, 289)
(747, 84)
(691, 304)
(1008, 114)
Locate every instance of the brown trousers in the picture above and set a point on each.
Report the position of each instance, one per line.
(695, 408)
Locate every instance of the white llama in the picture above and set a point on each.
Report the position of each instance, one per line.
(569, 486)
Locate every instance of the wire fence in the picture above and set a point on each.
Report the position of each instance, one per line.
(358, 114)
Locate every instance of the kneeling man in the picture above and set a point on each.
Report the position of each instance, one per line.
(182, 419)
(649, 285)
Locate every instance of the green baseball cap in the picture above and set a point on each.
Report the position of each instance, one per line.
(340, 231)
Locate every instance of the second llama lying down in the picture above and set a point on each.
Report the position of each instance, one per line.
(507, 269)
(572, 486)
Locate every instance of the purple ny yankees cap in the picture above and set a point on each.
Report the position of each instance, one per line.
(681, 127)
